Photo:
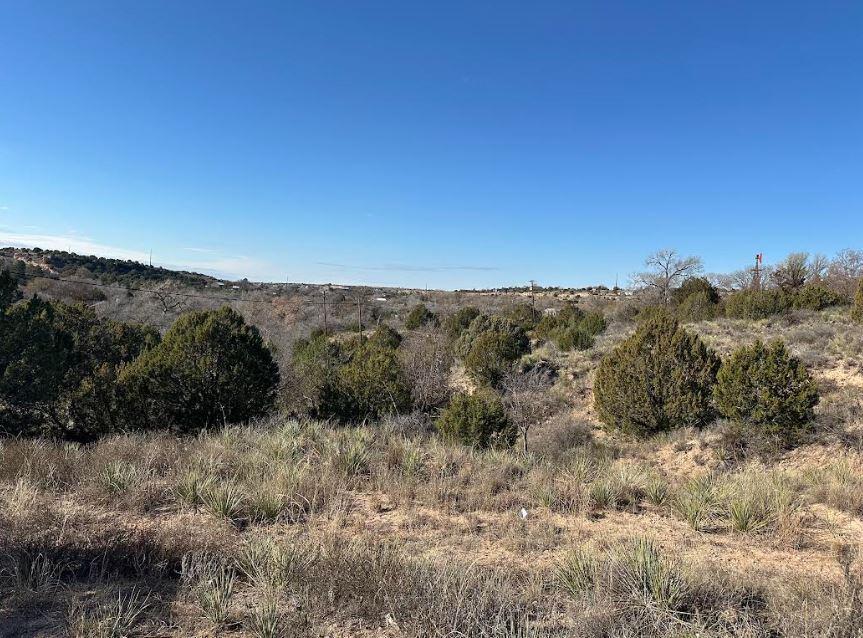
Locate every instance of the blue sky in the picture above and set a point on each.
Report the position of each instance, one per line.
(448, 144)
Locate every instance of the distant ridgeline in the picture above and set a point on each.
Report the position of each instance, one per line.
(30, 262)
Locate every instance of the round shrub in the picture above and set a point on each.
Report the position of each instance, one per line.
(658, 379)
(522, 315)
(573, 338)
(420, 316)
(477, 419)
(314, 365)
(693, 286)
(373, 384)
(756, 304)
(519, 342)
(593, 323)
(385, 337)
(492, 353)
(458, 322)
(697, 307)
(210, 368)
(765, 387)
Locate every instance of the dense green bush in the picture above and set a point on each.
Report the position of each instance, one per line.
(523, 315)
(694, 286)
(455, 324)
(697, 307)
(420, 316)
(493, 323)
(857, 309)
(816, 297)
(573, 338)
(211, 368)
(490, 346)
(593, 323)
(757, 304)
(351, 382)
(372, 384)
(571, 328)
(385, 337)
(765, 387)
(9, 292)
(491, 355)
(477, 419)
(59, 366)
(315, 363)
(658, 379)
(34, 360)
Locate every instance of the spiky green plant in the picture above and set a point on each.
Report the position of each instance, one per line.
(577, 572)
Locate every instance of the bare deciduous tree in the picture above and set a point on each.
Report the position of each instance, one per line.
(168, 299)
(528, 401)
(792, 273)
(666, 270)
(818, 266)
(845, 271)
(427, 360)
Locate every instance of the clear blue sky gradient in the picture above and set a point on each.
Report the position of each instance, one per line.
(448, 144)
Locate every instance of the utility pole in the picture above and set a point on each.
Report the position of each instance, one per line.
(326, 326)
(756, 272)
(532, 299)
(360, 316)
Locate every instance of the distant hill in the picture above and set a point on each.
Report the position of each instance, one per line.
(33, 261)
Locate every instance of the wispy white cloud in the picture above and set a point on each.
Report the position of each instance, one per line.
(407, 267)
(207, 251)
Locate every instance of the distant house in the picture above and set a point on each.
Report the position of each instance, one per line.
(380, 298)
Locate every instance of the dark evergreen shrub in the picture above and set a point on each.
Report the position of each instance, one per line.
(523, 315)
(757, 304)
(573, 338)
(697, 307)
(372, 384)
(420, 316)
(455, 324)
(478, 420)
(519, 342)
(385, 337)
(593, 323)
(816, 297)
(491, 355)
(315, 363)
(9, 292)
(658, 379)
(692, 286)
(764, 387)
(211, 368)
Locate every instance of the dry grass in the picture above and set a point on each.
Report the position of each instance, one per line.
(289, 528)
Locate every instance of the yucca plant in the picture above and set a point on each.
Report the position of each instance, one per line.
(264, 619)
(577, 572)
(656, 490)
(640, 572)
(190, 488)
(110, 621)
(223, 499)
(214, 593)
(119, 476)
(696, 502)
